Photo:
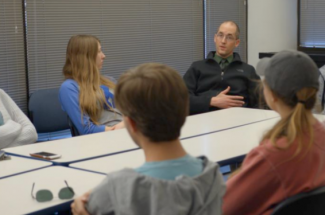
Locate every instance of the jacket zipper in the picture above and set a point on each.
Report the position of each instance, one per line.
(223, 72)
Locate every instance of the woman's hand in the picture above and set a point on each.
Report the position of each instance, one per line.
(107, 128)
(115, 127)
(118, 126)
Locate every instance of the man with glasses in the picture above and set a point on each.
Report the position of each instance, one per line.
(222, 80)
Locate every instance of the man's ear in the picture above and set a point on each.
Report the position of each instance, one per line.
(215, 38)
(237, 42)
(130, 124)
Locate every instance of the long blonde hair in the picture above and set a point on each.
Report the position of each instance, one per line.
(295, 126)
(80, 65)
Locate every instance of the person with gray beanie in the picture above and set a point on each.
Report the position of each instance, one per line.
(290, 157)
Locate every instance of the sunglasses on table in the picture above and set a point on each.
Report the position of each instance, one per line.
(3, 156)
(46, 195)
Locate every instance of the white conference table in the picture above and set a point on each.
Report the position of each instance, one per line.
(210, 122)
(15, 195)
(223, 147)
(218, 147)
(108, 143)
(18, 165)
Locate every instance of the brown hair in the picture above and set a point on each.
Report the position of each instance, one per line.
(80, 65)
(295, 126)
(156, 98)
(237, 33)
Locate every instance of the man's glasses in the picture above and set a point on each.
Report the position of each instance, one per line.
(229, 38)
(46, 195)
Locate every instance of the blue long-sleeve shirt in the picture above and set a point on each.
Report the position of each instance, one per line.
(69, 99)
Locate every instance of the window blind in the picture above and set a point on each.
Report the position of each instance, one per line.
(12, 60)
(312, 23)
(218, 11)
(131, 32)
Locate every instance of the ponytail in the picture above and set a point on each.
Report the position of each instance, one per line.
(297, 124)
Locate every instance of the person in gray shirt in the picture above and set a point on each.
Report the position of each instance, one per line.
(15, 127)
(154, 102)
(1, 119)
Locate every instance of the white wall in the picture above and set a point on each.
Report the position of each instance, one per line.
(272, 27)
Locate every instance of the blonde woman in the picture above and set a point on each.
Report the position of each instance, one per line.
(291, 156)
(86, 95)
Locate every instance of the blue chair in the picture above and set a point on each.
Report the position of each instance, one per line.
(73, 128)
(47, 116)
(309, 203)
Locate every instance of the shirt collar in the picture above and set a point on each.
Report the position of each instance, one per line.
(228, 59)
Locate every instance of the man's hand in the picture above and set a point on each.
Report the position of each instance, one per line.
(222, 100)
(78, 206)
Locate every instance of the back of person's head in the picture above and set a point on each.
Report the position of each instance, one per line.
(292, 77)
(80, 65)
(155, 97)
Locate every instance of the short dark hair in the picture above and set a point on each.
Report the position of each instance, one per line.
(156, 98)
(234, 23)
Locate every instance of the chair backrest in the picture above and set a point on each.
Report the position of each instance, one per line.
(303, 203)
(45, 111)
(73, 129)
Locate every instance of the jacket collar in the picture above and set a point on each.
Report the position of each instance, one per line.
(212, 53)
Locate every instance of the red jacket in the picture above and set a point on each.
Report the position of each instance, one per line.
(267, 177)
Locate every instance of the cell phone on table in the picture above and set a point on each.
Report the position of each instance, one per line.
(45, 155)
